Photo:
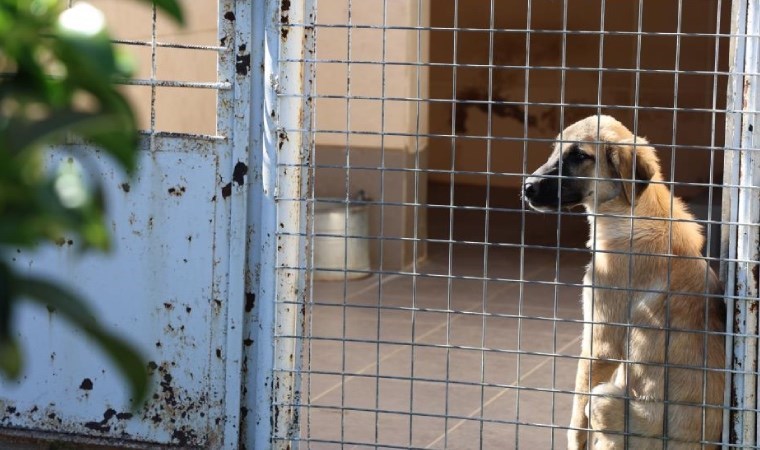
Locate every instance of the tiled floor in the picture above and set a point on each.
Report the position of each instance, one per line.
(400, 363)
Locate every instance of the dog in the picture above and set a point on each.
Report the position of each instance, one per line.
(650, 372)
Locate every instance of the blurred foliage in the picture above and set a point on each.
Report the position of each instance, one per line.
(57, 73)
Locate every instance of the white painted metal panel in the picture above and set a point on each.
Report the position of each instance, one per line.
(174, 285)
(163, 287)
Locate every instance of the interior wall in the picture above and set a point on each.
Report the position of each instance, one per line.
(371, 118)
(184, 110)
(469, 83)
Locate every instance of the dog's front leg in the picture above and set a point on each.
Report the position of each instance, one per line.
(591, 372)
(576, 435)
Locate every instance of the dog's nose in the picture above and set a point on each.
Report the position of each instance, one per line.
(529, 190)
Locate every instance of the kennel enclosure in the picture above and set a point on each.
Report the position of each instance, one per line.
(464, 330)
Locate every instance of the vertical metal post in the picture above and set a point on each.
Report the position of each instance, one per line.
(234, 122)
(275, 278)
(742, 213)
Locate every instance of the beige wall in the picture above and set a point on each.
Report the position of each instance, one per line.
(356, 158)
(194, 110)
(177, 109)
(618, 88)
(404, 78)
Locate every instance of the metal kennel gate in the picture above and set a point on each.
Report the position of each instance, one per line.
(361, 363)
(174, 284)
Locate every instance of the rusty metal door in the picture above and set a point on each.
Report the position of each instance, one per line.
(174, 284)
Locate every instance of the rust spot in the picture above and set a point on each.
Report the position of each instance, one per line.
(250, 301)
(102, 426)
(125, 187)
(108, 414)
(227, 190)
(152, 366)
(188, 309)
(283, 137)
(229, 15)
(238, 174)
(168, 305)
(97, 427)
(124, 416)
(86, 384)
(177, 191)
(756, 273)
(183, 436)
(219, 353)
(247, 342)
(243, 64)
(284, 18)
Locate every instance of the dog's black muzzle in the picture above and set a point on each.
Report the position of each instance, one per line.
(545, 190)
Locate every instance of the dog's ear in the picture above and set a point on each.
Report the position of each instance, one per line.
(620, 156)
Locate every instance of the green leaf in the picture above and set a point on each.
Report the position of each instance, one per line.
(28, 133)
(113, 129)
(10, 358)
(72, 308)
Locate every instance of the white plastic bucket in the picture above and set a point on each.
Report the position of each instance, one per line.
(341, 247)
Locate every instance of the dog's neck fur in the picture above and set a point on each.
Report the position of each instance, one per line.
(615, 226)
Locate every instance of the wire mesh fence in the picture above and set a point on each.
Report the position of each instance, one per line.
(439, 309)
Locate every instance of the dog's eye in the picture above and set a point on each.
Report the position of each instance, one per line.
(576, 155)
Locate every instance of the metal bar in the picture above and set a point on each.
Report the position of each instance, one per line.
(450, 246)
(262, 273)
(153, 75)
(742, 95)
(222, 86)
(537, 31)
(381, 250)
(258, 362)
(347, 194)
(709, 233)
(158, 44)
(283, 147)
(748, 238)
(367, 62)
(729, 207)
(484, 285)
(234, 121)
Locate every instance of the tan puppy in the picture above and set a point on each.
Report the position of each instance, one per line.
(646, 314)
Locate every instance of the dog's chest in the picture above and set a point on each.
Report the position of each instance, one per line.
(609, 297)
